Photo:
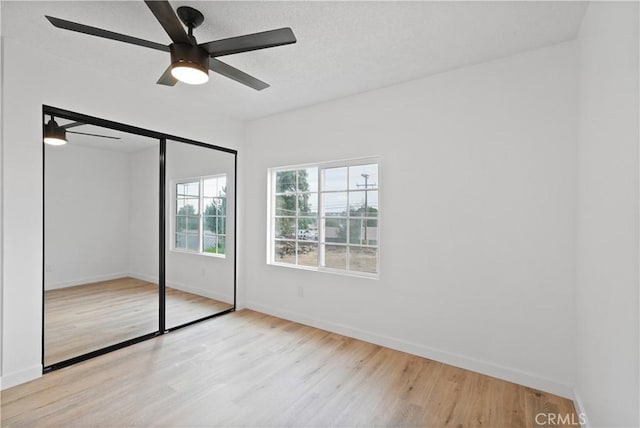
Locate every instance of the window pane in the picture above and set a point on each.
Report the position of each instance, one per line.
(210, 187)
(308, 204)
(363, 232)
(210, 225)
(308, 180)
(334, 204)
(363, 259)
(209, 207)
(334, 178)
(221, 204)
(222, 225)
(335, 230)
(356, 232)
(214, 206)
(363, 177)
(285, 205)
(188, 206)
(363, 204)
(181, 240)
(193, 243)
(181, 224)
(286, 228)
(210, 243)
(285, 181)
(307, 254)
(335, 256)
(193, 224)
(285, 252)
(180, 206)
(307, 229)
(214, 244)
(222, 186)
(192, 189)
(181, 190)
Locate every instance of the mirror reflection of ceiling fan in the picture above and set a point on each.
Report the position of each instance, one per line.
(190, 61)
(56, 135)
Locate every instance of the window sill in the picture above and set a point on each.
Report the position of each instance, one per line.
(194, 253)
(365, 275)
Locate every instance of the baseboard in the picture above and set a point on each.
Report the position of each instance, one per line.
(87, 280)
(22, 376)
(468, 363)
(143, 277)
(582, 414)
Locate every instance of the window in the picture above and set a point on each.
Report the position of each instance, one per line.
(326, 217)
(201, 215)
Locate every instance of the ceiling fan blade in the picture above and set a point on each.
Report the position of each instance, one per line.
(99, 32)
(72, 125)
(94, 135)
(167, 78)
(165, 15)
(237, 75)
(250, 42)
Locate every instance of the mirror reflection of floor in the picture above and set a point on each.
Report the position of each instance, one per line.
(87, 317)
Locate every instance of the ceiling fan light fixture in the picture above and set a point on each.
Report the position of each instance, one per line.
(189, 64)
(54, 135)
(189, 73)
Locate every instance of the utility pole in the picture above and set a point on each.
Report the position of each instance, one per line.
(366, 204)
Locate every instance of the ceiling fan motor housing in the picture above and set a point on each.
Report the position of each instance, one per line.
(53, 130)
(194, 56)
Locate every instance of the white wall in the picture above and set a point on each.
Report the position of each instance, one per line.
(33, 78)
(143, 247)
(87, 215)
(607, 265)
(477, 204)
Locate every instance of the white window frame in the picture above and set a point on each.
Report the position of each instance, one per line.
(201, 209)
(271, 217)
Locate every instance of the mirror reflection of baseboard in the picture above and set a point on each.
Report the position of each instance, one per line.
(112, 275)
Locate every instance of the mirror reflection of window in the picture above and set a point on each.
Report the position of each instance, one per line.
(201, 215)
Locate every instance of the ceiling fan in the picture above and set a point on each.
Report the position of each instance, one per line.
(190, 61)
(56, 135)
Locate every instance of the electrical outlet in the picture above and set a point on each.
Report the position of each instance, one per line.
(48, 268)
(300, 291)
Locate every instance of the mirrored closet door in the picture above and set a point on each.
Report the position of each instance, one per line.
(100, 239)
(200, 232)
(139, 235)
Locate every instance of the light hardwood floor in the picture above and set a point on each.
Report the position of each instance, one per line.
(251, 369)
(88, 317)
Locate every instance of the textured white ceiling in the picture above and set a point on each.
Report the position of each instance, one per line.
(343, 47)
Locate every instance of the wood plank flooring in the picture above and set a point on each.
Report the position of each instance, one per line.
(251, 369)
(87, 317)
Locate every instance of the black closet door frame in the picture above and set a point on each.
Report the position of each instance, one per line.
(162, 139)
